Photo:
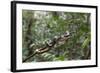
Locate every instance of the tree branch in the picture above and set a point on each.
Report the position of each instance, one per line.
(49, 45)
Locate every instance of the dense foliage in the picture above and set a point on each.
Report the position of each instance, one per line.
(39, 27)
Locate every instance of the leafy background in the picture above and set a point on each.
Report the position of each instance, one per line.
(41, 26)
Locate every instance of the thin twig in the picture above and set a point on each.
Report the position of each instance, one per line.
(29, 57)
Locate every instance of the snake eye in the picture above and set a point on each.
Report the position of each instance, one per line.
(66, 34)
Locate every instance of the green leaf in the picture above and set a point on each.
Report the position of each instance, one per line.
(61, 58)
(85, 43)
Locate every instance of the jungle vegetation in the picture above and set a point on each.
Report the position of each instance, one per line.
(42, 29)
